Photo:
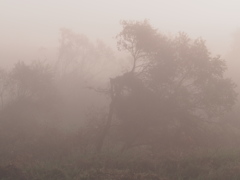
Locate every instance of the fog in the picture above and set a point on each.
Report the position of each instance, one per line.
(119, 89)
(29, 25)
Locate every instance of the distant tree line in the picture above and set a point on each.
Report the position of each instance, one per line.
(170, 99)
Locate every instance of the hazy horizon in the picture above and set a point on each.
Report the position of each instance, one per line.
(164, 107)
(27, 26)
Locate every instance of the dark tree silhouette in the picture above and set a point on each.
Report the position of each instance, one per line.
(174, 87)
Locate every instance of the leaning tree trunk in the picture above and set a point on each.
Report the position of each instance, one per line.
(107, 126)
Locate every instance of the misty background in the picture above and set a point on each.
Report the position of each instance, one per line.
(29, 26)
(145, 88)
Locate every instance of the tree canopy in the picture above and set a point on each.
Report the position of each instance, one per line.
(174, 86)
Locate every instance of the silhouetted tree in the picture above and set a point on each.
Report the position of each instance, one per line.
(4, 86)
(33, 81)
(174, 87)
(30, 112)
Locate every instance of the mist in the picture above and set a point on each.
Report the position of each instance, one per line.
(119, 89)
(27, 26)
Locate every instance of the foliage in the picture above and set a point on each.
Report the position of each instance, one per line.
(164, 111)
(173, 89)
(34, 81)
(4, 87)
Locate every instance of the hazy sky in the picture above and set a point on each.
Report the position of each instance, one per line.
(27, 25)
